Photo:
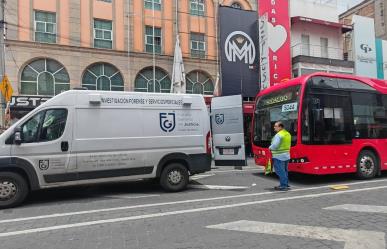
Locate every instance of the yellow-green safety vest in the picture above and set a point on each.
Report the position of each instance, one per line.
(284, 146)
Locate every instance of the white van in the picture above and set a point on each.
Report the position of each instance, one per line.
(82, 137)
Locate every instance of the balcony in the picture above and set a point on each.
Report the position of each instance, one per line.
(320, 52)
(321, 55)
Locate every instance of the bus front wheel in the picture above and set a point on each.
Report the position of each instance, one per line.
(367, 165)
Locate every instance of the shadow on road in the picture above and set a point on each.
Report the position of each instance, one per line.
(89, 193)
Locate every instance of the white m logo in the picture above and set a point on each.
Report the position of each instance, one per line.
(245, 51)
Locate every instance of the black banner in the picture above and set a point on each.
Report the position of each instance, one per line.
(239, 51)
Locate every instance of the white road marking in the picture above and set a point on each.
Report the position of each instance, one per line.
(216, 187)
(238, 170)
(197, 177)
(354, 239)
(129, 196)
(186, 211)
(359, 208)
(171, 203)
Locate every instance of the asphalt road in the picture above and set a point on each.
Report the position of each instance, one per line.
(224, 208)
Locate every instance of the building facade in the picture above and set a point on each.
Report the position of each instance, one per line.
(317, 38)
(375, 9)
(52, 46)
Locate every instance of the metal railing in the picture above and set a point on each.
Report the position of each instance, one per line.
(321, 52)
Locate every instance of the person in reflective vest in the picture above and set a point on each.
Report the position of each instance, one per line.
(280, 150)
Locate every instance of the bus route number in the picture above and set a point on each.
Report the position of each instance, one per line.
(291, 107)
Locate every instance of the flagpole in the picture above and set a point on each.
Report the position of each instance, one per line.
(154, 47)
(177, 17)
(2, 59)
(217, 81)
(129, 74)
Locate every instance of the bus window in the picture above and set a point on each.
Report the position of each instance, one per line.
(369, 115)
(279, 106)
(328, 120)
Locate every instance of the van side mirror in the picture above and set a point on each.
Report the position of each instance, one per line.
(17, 136)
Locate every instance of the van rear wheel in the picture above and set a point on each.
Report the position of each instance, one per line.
(174, 177)
(13, 189)
(367, 165)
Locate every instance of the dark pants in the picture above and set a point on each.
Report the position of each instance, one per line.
(281, 169)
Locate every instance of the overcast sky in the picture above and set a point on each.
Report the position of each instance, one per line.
(346, 4)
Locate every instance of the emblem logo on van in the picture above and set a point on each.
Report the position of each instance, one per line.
(167, 121)
(44, 164)
(219, 119)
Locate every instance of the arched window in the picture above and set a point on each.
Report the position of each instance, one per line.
(236, 6)
(44, 77)
(199, 83)
(103, 76)
(145, 82)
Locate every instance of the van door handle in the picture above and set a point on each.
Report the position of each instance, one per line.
(64, 146)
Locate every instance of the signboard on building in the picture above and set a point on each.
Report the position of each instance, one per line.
(27, 102)
(364, 46)
(238, 50)
(264, 52)
(381, 58)
(278, 36)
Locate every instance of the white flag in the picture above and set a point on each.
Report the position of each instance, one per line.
(217, 91)
(178, 73)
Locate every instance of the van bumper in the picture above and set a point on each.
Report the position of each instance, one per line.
(199, 163)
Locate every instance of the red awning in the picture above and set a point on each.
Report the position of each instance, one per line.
(344, 28)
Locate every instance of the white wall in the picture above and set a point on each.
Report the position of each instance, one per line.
(315, 32)
(313, 9)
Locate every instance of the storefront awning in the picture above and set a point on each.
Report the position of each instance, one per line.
(344, 28)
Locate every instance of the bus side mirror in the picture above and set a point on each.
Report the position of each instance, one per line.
(17, 136)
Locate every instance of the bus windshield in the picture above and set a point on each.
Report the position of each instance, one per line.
(281, 106)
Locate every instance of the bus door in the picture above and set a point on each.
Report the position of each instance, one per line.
(227, 131)
(331, 128)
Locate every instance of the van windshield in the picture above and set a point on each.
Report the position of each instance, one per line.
(281, 106)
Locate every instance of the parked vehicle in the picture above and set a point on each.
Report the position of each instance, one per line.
(83, 137)
(338, 124)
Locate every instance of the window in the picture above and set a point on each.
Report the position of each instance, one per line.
(150, 4)
(369, 115)
(327, 82)
(145, 82)
(45, 27)
(236, 6)
(103, 34)
(108, 1)
(305, 45)
(198, 45)
(44, 126)
(199, 83)
(103, 76)
(270, 109)
(197, 7)
(324, 47)
(44, 77)
(326, 118)
(152, 39)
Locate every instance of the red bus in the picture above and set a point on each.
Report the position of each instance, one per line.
(338, 124)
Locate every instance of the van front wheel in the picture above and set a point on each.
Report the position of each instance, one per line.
(174, 177)
(13, 189)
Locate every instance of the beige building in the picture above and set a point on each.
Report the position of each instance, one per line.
(376, 9)
(57, 45)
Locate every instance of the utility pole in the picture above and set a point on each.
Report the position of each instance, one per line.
(2, 58)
